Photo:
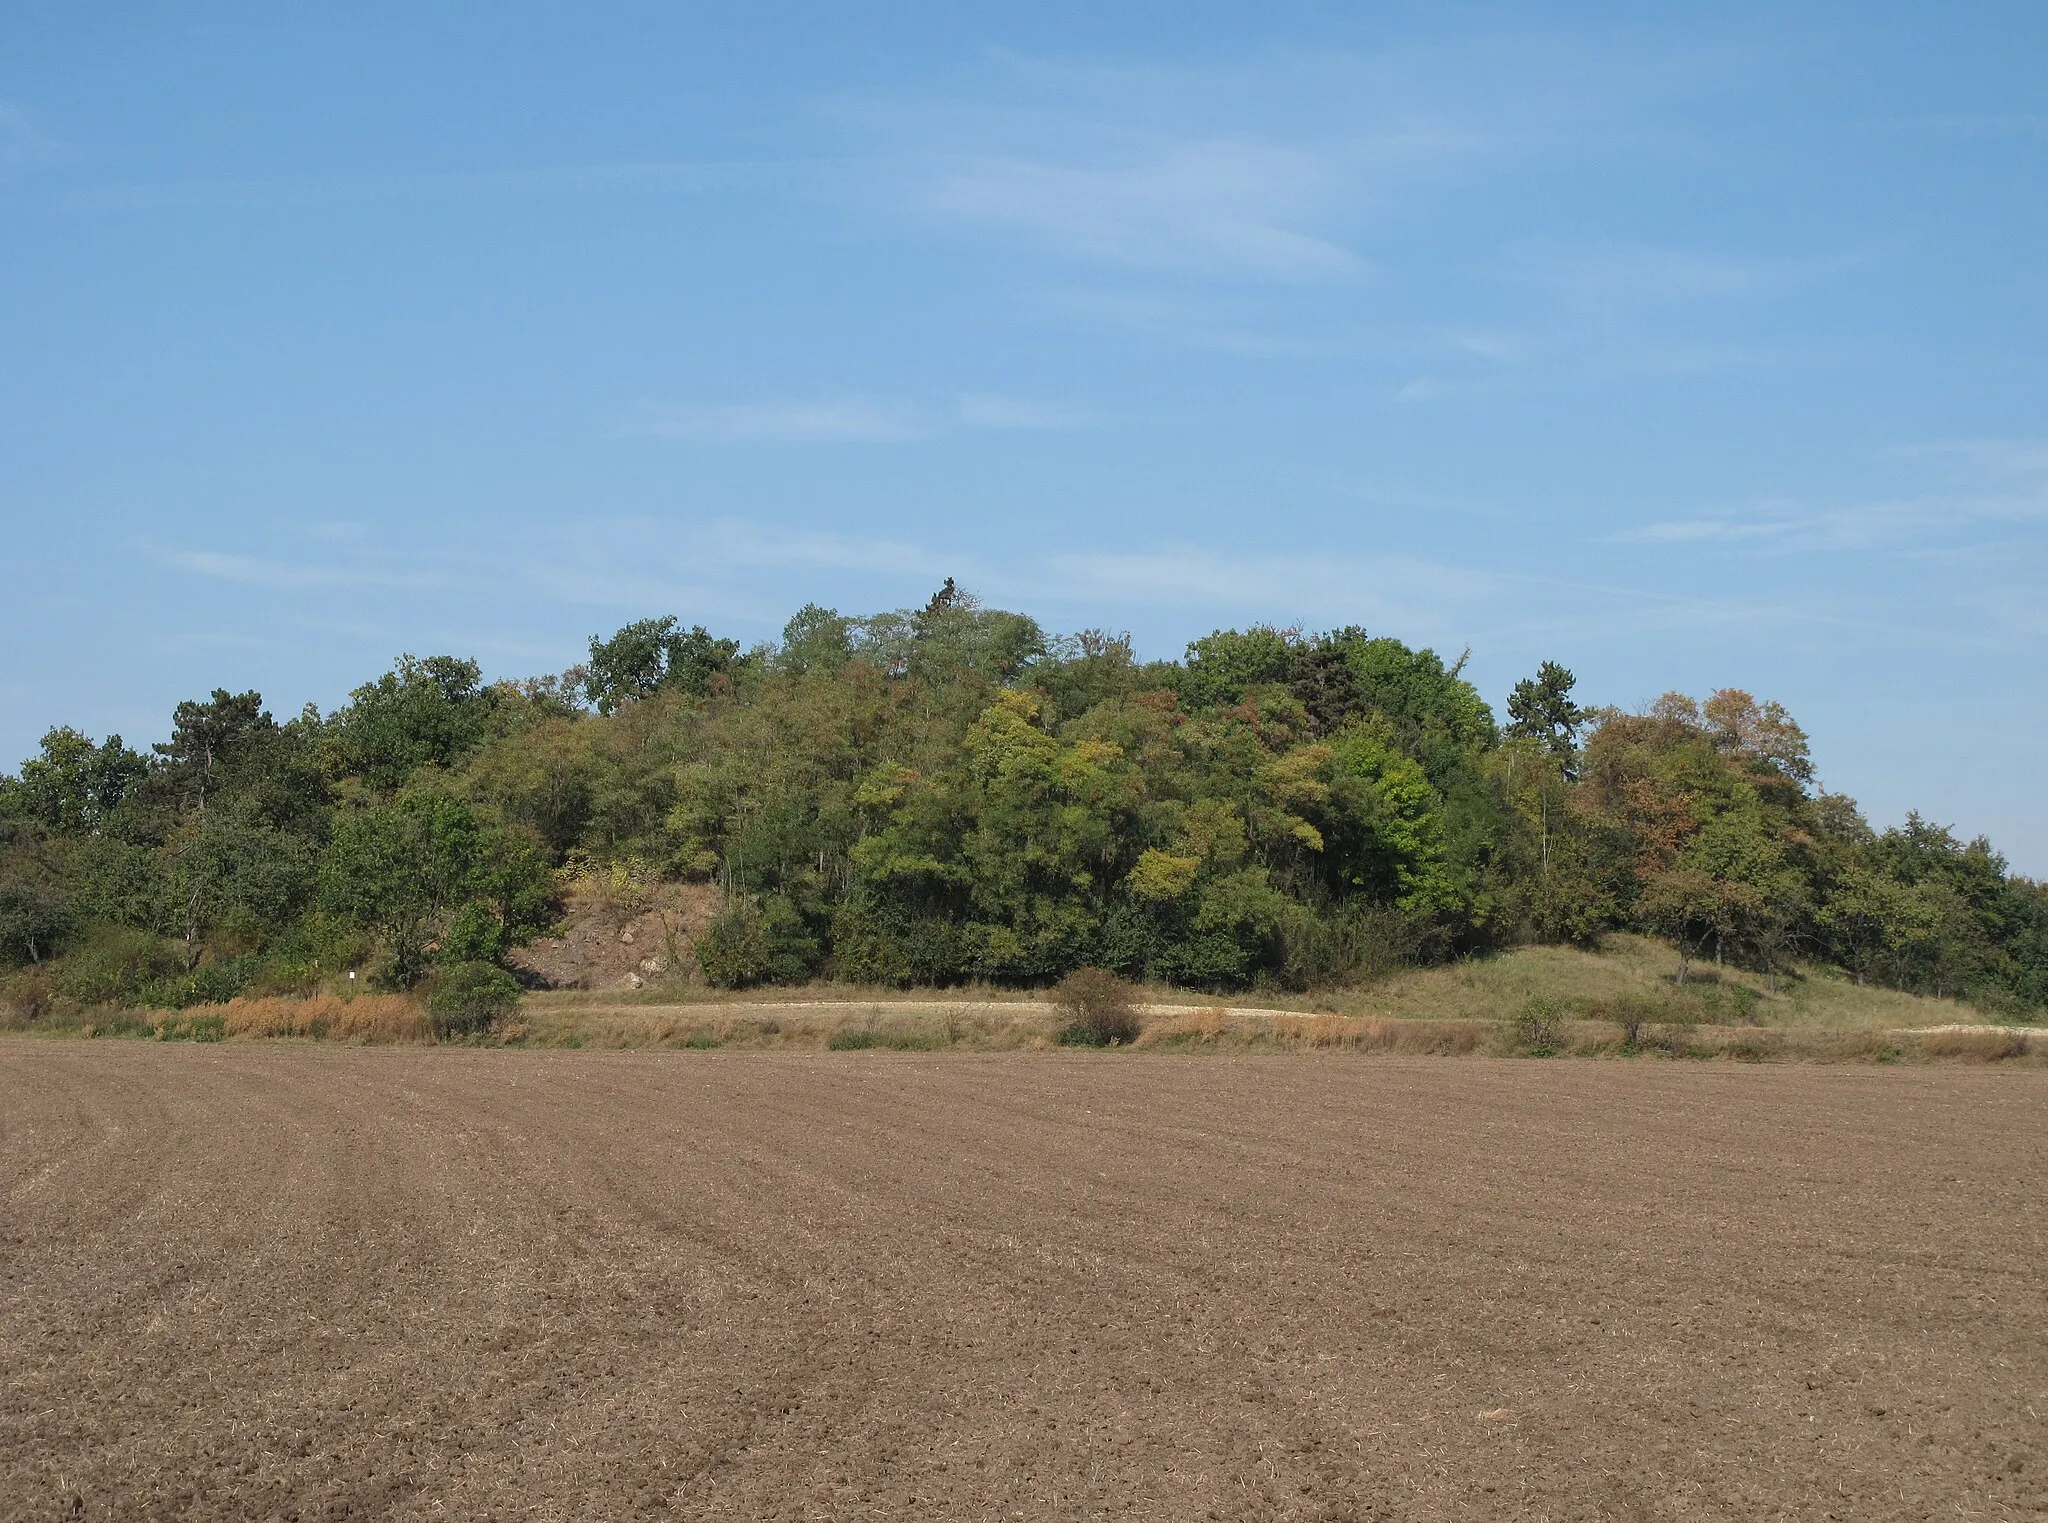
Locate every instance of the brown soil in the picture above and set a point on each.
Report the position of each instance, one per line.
(607, 943)
(316, 1282)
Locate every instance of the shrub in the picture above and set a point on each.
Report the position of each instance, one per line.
(1540, 1026)
(865, 1038)
(473, 936)
(469, 997)
(1101, 1009)
(190, 1026)
(734, 950)
(112, 966)
(751, 942)
(1674, 1034)
(210, 983)
(28, 998)
(1760, 1048)
(1629, 1013)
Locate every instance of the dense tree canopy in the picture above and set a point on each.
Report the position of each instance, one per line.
(946, 793)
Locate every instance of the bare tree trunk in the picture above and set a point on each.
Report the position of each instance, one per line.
(192, 931)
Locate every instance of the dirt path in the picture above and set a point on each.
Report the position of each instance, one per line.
(338, 1283)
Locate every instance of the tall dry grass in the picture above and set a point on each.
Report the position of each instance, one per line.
(1221, 1027)
(366, 1018)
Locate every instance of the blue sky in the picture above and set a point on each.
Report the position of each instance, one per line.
(1689, 346)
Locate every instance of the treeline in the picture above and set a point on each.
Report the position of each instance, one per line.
(947, 794)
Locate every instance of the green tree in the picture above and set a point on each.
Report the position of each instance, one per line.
(406, 869)
(815, 640)
(424, 712)
(206, 737)
(35, 903)
(651, 654)
(73, 785)
(1540, 709)
(1691, 907)
(226, 869)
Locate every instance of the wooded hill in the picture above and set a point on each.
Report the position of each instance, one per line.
(947, 794)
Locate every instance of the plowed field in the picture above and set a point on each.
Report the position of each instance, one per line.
(323, 1282)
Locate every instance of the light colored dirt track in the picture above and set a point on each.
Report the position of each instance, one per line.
(346, 1283)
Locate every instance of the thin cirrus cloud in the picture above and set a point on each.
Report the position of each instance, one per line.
(680, 176)
(2000, 483)
(1222, 206)
(847, 420)
(283, 576)
(825, 420)
(1612, 274)
(981, 409)
(1381, 591)
(22, 146)
(1991, 457)
(1273, 169)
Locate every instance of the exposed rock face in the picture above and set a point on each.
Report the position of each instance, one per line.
(606, 944)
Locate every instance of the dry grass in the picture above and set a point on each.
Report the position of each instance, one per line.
(366, 1018)
(920, 1025)
(1466, 1008)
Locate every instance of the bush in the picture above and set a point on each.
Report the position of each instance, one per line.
(211, 983)
(113, 964)
(473, 936)
(1629, 1013)
(734, 950)
(870, 1038)
(26, 998)
(750, 942)
(1540, 1026)
(1101, 1009)
(469, 997)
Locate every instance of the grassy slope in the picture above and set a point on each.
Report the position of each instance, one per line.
(1461, 1008)
(1645, 970)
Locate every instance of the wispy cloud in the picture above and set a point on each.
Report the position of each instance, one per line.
(1609, 274)
(1395, 592)
(1271, 170)
(675, 176)
(1191, 321)
(1225, 206)
(659, 564)
(738, 541)
(1489, 345)
(1990, 457)
(1681, 531)
(286, 576)
(22, 146)
(825, 420)
(981, 409)
(847, 420)
(1992, 482)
